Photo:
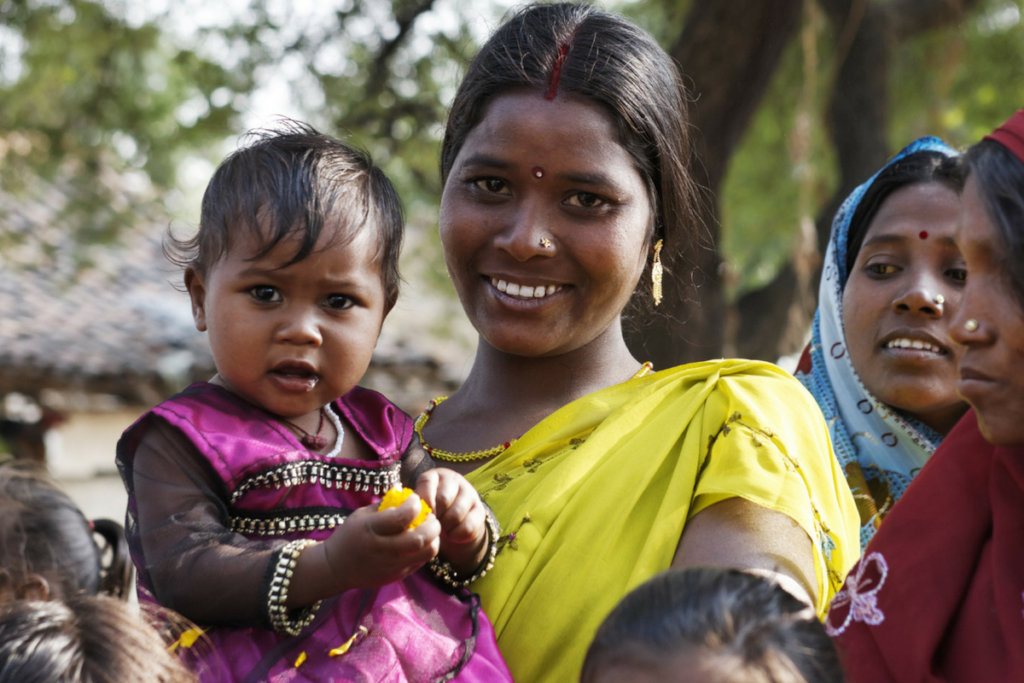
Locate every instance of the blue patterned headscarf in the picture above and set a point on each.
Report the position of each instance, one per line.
(879, 448)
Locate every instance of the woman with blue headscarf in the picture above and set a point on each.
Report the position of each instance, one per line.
(880, 363)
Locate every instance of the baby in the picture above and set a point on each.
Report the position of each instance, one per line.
(253, 498)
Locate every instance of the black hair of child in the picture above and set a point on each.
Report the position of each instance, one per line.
(291, 182)
(746, 622)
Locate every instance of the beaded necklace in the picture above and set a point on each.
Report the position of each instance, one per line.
(483, 454)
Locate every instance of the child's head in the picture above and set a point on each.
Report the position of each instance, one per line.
(713, 625)
(291, 184)
(48, 549)
(294, 267)
(86, 638)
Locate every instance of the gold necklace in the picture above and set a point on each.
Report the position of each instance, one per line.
(449, 456)
(483, 454)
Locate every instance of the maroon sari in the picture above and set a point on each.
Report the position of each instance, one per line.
(939, 592)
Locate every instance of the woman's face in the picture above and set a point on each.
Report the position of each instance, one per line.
(545, 224)
(993, 351)
(906, 282)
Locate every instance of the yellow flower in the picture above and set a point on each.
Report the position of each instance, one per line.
(299, 661)
(344, 647)
(187, 638)
(396, 496)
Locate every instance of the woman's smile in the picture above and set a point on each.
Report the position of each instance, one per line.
(523, 291)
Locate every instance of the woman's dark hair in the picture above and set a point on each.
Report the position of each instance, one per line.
(579, 51)
(999, 178)
(43, 532)
(728, 615)
(927, 166)
(85, 639)
(290, 182)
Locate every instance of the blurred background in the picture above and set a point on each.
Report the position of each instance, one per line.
(114, 114)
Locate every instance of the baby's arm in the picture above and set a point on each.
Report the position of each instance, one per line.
(372, 548)
(181, 536)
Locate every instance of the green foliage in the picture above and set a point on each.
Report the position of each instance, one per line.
(957, 83)
(90, 101)
(961, 82)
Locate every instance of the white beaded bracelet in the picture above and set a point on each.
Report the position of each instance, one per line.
(277, 595)
(444, 570)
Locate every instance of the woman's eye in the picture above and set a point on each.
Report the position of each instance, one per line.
(265, 294)
(881, 268)
(586, 200)
(491, 185)
(339, 302)
(958, 274)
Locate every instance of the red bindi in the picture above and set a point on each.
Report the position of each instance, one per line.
(537, 172)
(923, 234)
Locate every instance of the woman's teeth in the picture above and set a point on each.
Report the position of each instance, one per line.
(915, 344)
(524, 291)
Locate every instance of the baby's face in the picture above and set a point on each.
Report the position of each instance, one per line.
(291, 339)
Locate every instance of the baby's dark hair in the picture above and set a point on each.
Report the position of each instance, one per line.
(44, 533)
(84, 639)
(287, 183)
(746, 623)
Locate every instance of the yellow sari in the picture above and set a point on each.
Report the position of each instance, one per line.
(593, 500)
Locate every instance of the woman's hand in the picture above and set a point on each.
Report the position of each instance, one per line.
(461, 513)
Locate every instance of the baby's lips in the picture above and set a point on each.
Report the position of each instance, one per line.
(396, 496)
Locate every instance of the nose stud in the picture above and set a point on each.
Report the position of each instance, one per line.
(939, 299)
(545, 243)
(971, 325)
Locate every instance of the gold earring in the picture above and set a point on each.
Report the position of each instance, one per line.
(545, 243)
(656, 272)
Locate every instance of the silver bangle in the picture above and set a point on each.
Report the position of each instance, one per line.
(277, 595)
(444, 570)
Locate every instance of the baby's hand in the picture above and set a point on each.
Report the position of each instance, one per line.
(374, 548)
(462, 515)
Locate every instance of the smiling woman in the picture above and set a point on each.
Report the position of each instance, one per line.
(566, 186)
(880, 362)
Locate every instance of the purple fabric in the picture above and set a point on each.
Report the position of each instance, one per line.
(407, 631)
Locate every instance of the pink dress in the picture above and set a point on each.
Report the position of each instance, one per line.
(217, 486)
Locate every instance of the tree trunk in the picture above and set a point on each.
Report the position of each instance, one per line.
(727, 52)
(863, 33)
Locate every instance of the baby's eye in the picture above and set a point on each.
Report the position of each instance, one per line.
(265, 294)
(339, 302)
(586, 200)
(491, 185)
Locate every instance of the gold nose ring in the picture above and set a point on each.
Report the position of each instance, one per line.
(545, 243)
(939, 299)
(971, 325)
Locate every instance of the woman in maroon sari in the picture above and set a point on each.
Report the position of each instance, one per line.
(939, 593)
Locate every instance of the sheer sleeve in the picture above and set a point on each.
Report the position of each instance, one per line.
(180, 534)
